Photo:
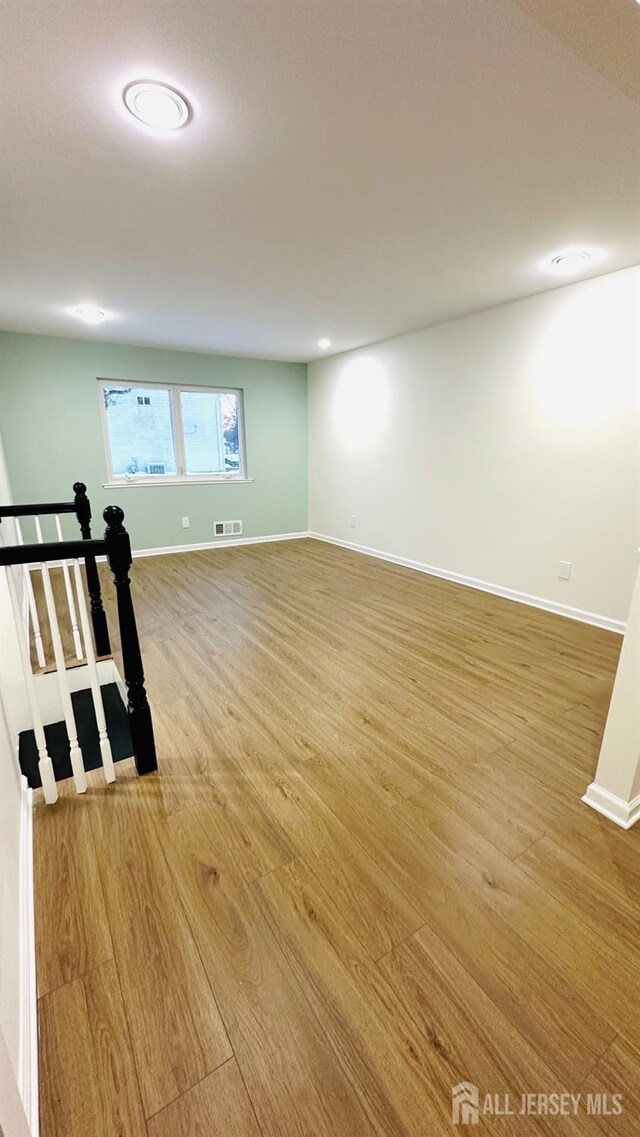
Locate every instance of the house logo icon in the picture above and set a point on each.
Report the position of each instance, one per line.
(464, 1104)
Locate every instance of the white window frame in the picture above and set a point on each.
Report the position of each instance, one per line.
(182, 478)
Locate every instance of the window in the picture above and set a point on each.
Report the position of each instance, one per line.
(156, 433)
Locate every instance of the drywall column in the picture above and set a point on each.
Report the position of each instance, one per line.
(615, 792)
(18, 1070)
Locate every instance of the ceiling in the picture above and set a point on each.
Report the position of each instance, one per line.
(606, 35)
(354, 168)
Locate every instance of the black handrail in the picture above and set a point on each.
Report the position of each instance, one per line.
(117, 548)
(81, 506)
(45, 508)
(38, 509)
(50, 551)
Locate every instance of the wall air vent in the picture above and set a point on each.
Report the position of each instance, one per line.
(227, 528)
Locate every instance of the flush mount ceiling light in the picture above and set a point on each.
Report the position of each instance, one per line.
(89, 314)
(156, 104)
(324, 343)
(570, 262)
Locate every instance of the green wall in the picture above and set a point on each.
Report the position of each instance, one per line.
(51, 428)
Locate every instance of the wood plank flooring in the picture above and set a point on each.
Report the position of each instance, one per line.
(362, 875)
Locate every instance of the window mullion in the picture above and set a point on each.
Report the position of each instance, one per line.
(179, 432)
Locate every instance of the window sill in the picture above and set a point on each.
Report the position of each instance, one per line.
(126, 483)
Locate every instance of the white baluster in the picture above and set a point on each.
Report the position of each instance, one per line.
(98, 705)
(33, 610)
(75, 753)
(44, 761)
(77, 642)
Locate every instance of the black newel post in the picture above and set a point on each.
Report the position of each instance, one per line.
(119, 558)
(98, 615)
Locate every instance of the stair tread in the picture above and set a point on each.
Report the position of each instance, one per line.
(58, 742)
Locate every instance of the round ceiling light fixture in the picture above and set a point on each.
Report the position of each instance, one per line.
(570, 262)
(156, 104)
(324, 343)
(90, 314)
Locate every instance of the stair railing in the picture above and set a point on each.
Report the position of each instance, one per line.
(71, 604)
(94, 681)
(98, 616)
(33, 607)
(120, 561)
(81, 507)
(116, 547)
(45, 766)
(75, 754)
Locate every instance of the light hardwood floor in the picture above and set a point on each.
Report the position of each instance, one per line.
(362, 875)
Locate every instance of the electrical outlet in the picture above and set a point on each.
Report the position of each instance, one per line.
(352, 521)
(186, 522)
(565, 570)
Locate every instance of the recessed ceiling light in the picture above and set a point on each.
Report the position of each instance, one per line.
(572, 261)
(324, 343)
(90, 314)
(156, 104)
(565, 264)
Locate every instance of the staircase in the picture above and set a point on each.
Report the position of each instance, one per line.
(83, 714)
(117, 726)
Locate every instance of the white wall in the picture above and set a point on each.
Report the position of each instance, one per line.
(14, 965)
(493, 446)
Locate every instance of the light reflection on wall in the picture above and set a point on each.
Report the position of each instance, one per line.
(579, 368)
(360, 406)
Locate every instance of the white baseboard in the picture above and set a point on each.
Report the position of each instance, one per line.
(482, 585)
(28, 1047)
(164, 550)
(217, 544)
(554, 606)
(624, 813)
